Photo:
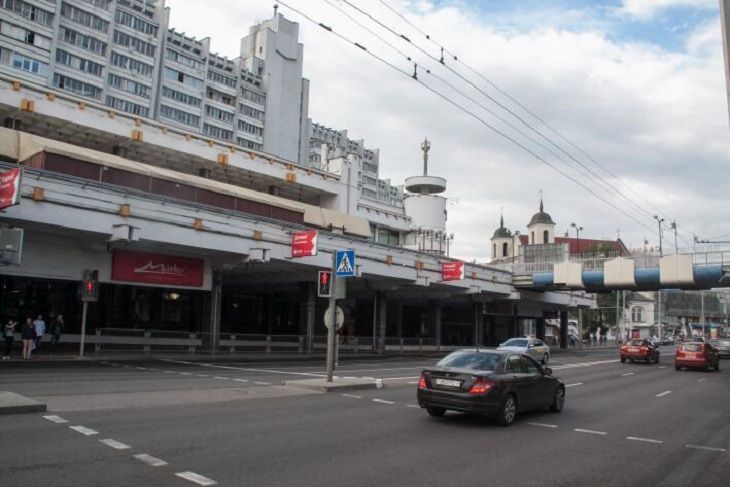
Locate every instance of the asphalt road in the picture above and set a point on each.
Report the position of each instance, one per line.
(109, 423)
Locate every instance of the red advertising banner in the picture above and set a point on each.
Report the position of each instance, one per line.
(10, 187)
(452, 271)
(156, 268)
(304, 244)
(635, 334)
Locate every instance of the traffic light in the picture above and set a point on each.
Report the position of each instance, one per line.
(324, 284)
(90, 287)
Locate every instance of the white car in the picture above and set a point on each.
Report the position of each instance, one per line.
(533, 347)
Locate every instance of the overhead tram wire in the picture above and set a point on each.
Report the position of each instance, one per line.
(523, 107)
(457, 90)
(495, 101)
(465, 110)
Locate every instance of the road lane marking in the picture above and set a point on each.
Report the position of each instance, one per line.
(55, 419)
(168, 371)
(201, 375)
(117, 445)
(349, 378)
(662, 367)
(220, 378)
(590, 432)
(141, 368)
(84, 430)
(544, 425)
(662, 394)
(198, 479)
(368, 378)
(400, 378)
(105, 363)
(574, 384)
(630, 373)
(708, 448)
(413, 406)
(150, 460)
(702, 380)
(226, 367)
(186, 373)
(646, 440)
(415, 382)
(241, 380)
(383, 401)
(353, 396)
(262, 383)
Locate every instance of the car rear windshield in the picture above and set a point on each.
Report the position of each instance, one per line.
(515, 342)
(637, 343)
(692, 347)
(482, 361)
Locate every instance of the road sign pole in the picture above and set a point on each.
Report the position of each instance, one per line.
(331, 329)
(83, 328)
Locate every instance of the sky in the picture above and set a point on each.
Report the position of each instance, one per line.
(626, 103)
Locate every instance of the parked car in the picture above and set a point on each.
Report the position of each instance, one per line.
(722, 345)
(668, 340)
(537, 349)
(492, 383)
(696, 355)
(639, 350)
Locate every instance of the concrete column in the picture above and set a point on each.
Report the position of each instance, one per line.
(307, 307)
(216, 293)
(540, 328)
(564, 329)
(399, 320)
(478, 324)
(382, 321)
(436, 310)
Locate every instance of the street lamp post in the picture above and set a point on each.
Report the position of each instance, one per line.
(577, 235)
(659, 293)
(673, 226)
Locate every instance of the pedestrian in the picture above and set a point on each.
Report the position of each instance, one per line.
(28, 335)
(56, 330)
(40, 330)
(9, 336)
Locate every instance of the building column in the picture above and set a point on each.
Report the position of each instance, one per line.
(436, 313)
(382, 321)
(307, 309)
(216, 292)
(540, 328)
(478, 324)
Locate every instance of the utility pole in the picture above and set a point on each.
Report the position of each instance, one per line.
(673, 226)
(659, 293)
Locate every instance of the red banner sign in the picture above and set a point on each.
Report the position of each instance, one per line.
(304, 244)
(156, 269)
(635, 334)
(452, 271)
(10, 187)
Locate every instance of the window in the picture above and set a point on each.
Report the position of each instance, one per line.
(215, 95)
(248, 144)
(388, 237)
(142, 47)
(179, 116)
(181, 97)
(494, 250)
(217, 132)
(25, 35)
(125, 18)
(545, 237)
(183, 59)
(253, 96)
(505, 249)
(637, 314)
(129, 85)
(30, 12)
(249, 128)
(75, 62)
(130, 64)
(218, 114)
(251, 112)
(29, 64)
(516, 365)
(91, 44)
(219, 78)
(82, 17)
(75, 86)
(532, 238)
(183, 78)
(127, 106)
(104, 4)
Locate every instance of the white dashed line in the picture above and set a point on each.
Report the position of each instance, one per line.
(415, 382)
(701, 380)
(574, 384)
(399, 378)
(105, 363)
(55, 419)
(262, 383)
(543, 425)
(117, 445)
(645, 440)
(662, 367)
(168, 372)
(198, 479)
(141, 368)
(84, 430)
(221, 378)
(413, 406)
(186, 373)
(241, 380)
(590, 432)
(708, 448)
(662, 394)
(349, 378)
(383, 401)
(201, 375)
(630, 373)
(368, 378)
(353, 396)
(150, 460)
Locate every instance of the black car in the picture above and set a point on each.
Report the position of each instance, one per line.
(490, 383)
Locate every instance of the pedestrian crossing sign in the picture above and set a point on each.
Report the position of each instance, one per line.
(345, 263)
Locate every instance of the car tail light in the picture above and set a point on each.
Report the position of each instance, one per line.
(422, 382)
(643, 349)
(481, 386)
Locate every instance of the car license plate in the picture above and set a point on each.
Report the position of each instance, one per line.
(448, 382)
(633, 350)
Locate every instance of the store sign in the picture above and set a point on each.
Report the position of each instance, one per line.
(304, 244)
(452, 271)
(156, 269)
(10, 187)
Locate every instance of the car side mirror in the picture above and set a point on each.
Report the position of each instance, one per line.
(547, 371)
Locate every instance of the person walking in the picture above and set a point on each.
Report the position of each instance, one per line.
(56, 330)
(9, 336)
(40, 330)
(28, 335)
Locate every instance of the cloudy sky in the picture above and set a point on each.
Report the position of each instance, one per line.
(637, 87)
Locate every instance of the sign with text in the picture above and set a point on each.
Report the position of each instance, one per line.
(10, 187)
(304, 244)
(157, 269)
(452, 271)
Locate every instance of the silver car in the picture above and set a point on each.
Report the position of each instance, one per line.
(533, 347)
(722, 345)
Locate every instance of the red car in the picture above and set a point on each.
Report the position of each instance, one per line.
(696, 355)
(639, 350)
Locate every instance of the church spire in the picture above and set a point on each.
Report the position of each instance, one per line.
(541, 208)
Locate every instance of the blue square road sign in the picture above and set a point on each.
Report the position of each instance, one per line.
(345, 263)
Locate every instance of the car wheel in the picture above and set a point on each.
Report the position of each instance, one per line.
(717, 365)
(545, 359)
(631, 360)
(558, 400)
(623, 360)
(677, 367)
(507, 412)
(436, 412)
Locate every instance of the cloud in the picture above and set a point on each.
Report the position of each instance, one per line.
(647, 9)
(657, 120)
